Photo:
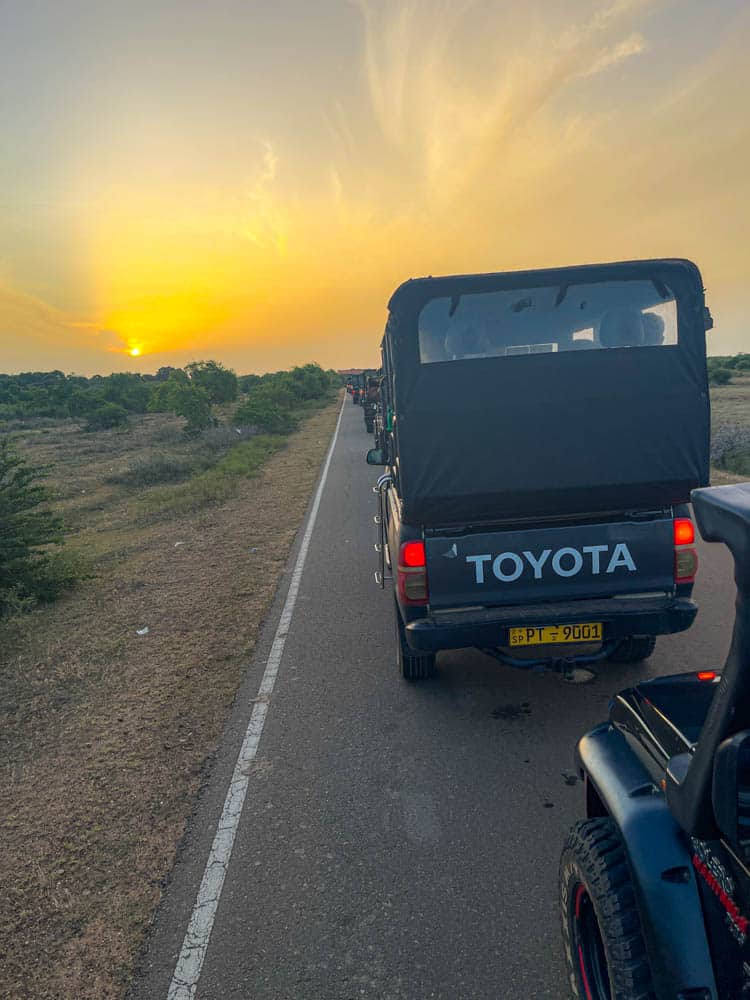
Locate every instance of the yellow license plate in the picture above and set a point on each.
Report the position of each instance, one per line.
(553, 635)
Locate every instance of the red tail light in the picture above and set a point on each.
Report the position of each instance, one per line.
(685, 557)
(706, 675)
(413, 555)
(684, 532)
(411, 573)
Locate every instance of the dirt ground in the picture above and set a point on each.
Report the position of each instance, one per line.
(731, 403)
(106, 734)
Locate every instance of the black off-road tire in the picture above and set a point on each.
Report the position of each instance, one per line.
(412, 666)
(369, 426)
(634, 649)
(605, 952)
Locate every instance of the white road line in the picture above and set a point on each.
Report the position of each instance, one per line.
(188, 969)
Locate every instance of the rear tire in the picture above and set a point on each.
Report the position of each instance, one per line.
(368, 426)
(633, 649)
(412, 666)
(604, 948)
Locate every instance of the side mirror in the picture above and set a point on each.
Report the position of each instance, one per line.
(375, 456)
(731, 792)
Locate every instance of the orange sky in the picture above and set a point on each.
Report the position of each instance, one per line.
(249, 182)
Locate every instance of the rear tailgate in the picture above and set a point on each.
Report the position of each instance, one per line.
(550, 564)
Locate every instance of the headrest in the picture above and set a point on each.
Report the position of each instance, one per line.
(621, 327)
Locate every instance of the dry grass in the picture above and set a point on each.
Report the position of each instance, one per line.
(730, 406)
(105, 734)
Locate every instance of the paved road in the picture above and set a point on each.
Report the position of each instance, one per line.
(397, 841)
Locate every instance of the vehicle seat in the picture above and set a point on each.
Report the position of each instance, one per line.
(621, 327)
(466, 340)
(723, 515)
(653, 330)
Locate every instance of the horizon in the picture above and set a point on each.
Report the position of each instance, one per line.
(249, 184)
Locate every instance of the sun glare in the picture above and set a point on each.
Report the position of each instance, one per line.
(134, 352)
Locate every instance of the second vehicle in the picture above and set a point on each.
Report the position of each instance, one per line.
(544, 431)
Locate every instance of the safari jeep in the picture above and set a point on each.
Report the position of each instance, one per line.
(655, 882)
(545, 429)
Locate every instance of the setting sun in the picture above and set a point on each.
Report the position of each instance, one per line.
(135, 352)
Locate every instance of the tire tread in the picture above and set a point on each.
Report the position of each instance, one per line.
(594, 855)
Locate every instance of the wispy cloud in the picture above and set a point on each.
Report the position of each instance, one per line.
(58, 339)
(633, 45)
(443, 120)
(264, 223)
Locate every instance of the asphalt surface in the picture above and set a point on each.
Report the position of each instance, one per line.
(398, 841)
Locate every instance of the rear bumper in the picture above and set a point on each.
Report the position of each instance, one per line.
(489, 627)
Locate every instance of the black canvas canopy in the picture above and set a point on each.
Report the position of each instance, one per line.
(506, 403)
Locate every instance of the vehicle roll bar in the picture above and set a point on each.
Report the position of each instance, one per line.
(723, 515)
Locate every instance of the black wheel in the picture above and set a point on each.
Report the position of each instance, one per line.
(412, 666)
(368, 426)
(634, 649)
(604, 948)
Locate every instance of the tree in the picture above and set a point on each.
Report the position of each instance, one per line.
(219, 383)
(127, 390)
(185, 399)
(164, 372)
(25, 526)
(311, 381)
(83, 401)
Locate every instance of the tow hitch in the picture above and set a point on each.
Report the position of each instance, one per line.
(571, 667)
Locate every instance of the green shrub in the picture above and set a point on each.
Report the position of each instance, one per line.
(246, 382)
(59, 571)
(267, 416)
(150, 470)
(82, 402)
(106, 416)
(739, 463)
(127, 390)
(27, 526)
(719, 376)
(218, 483)
(310, 382)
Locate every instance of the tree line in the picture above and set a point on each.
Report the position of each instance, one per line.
(721, 369)
(107, 401)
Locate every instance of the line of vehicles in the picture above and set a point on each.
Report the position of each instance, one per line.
(364, 389)
(544, 441)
